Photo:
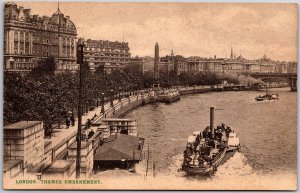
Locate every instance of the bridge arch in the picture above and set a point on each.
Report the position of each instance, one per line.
(276, 79)
(290, 78)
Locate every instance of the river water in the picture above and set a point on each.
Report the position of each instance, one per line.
(267, 132)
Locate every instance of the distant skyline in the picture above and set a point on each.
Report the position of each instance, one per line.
(190, 29)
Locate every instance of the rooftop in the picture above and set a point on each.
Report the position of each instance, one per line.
(22, 125)
(99, 121)
(121, 120)
(118, 147)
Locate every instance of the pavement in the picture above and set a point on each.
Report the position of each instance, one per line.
(58, 135)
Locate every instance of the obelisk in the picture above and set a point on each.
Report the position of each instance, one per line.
(156, 62)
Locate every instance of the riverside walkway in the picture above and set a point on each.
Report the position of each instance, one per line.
(59, 135)
(63, 135)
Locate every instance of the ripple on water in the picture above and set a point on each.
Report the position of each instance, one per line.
(267, 131)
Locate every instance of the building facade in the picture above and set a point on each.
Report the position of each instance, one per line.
(136, 65)
(166, 64)
(237, 65)
(106, 54)
(30, 38)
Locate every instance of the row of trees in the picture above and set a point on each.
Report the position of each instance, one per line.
(48, 96)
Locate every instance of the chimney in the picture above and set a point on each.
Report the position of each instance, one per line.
(212, 130)
(215, 56)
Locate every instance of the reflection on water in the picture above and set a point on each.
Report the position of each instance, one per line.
(267, 130)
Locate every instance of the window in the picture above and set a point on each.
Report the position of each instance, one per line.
(16, 47)
(27, 48)
(16, 35)
(21, 36)
(22, 46)
(27, 37)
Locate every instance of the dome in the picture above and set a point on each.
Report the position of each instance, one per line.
(59, 18)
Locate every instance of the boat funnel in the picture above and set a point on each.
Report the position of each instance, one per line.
(212, 121)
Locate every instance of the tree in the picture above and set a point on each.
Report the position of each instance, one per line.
(47, 66)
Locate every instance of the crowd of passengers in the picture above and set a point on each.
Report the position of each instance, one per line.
(204, 146)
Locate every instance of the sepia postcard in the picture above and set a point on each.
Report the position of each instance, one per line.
(149, 96)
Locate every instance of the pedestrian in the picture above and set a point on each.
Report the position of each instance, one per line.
(67, 122)
(73, 120)
(89, 123)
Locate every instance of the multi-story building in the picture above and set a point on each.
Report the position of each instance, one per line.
(136, 65)
(180, 64)
(215, 65)
(148, 63)
(292, 68)
(232, 65)
(251, 66)
(196, 64)
(166, 64)
(106, 54)
(239, 65)
(31, 38)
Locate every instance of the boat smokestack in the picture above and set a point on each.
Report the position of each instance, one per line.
(212, 121)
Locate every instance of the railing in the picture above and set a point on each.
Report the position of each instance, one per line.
(125, 105)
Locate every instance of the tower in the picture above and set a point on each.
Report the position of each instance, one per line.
(156, 61)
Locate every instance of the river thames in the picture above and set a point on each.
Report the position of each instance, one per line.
(267, 132)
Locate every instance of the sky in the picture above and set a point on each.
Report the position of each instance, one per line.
(190, 29)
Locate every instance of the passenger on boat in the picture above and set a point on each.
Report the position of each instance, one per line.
(202, 141)
(207, 158)
(207, 133)
(228, 130)
(188, 152)
(197, 140)
(223, 138)
(218, 134)
(223, 126)
(212, 143)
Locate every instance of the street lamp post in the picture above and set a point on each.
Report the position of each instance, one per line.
(120, 94)
(86, 106)
(78, 136)
(102, 103)
(127, 91)
(111, 98)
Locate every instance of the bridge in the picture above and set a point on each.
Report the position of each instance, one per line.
(290, 78)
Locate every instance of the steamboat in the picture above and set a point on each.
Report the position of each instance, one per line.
(267, 96)
(208, 149)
